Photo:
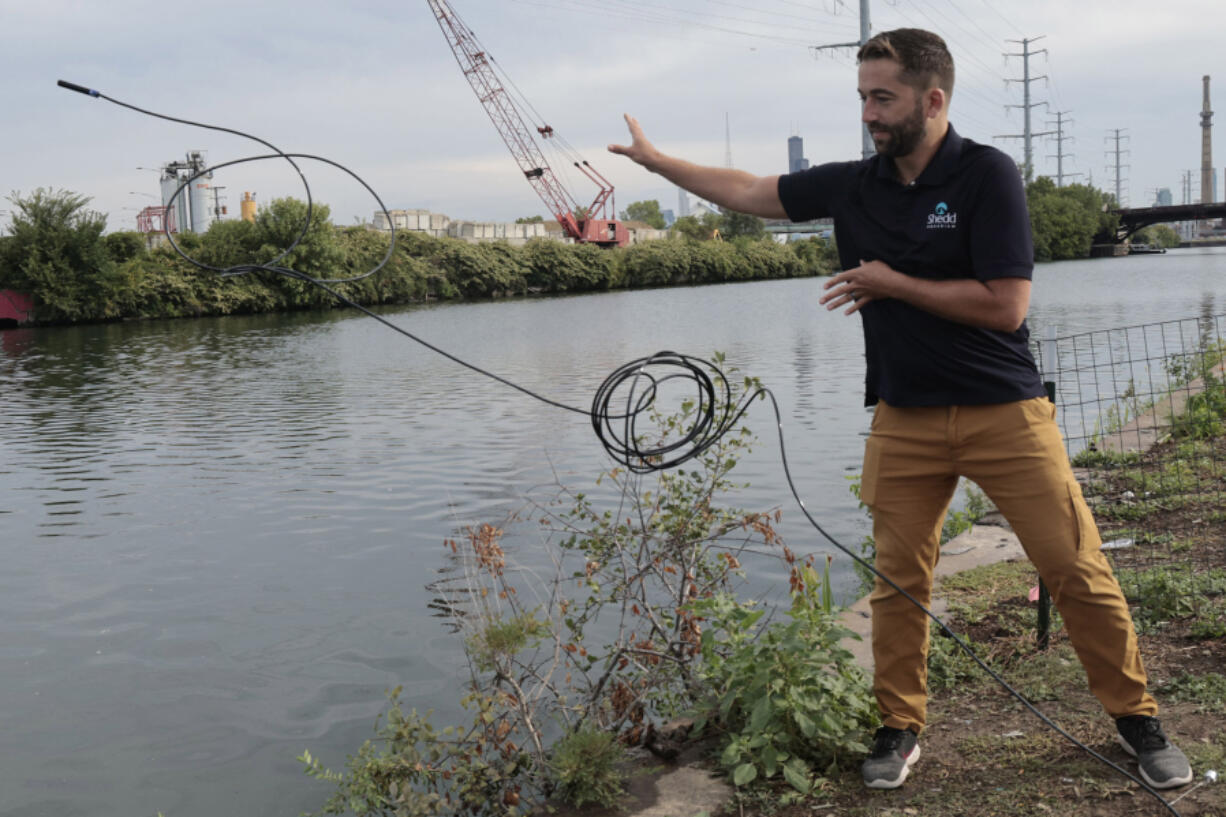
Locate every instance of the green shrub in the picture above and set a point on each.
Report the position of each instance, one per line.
(1171, 592)
(788, 696)
(585, 768)
(124, 246)
(56, 252)
(1203, 416)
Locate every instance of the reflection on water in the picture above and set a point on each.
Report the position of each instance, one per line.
(218, 532)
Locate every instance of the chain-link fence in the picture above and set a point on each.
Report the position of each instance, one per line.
(1143, 411)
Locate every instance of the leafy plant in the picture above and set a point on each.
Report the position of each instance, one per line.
(413, 769)
(956, 522)
(585, 768)
(1093, 457)
(1171, 592)
(788, 698)
(1203, 416)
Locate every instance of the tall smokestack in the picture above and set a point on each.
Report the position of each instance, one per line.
(1206, 149)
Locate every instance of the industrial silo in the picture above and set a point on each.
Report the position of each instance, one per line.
(176, 216)
(248, 207)
(199, 192)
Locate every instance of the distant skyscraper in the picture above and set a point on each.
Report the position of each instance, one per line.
(683, 203)
(1164, 197)
(796, 157)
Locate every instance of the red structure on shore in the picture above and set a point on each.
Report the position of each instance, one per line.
(156, 220)
(16, 308)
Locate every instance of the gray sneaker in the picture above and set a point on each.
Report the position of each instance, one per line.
(1160, 762)
(889, 763)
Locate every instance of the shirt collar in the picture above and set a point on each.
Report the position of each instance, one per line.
(940, 168)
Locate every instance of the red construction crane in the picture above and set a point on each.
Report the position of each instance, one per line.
(594, 225)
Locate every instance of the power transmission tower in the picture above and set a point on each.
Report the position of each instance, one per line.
(1059, 157)
(1027, 134)
(1186, 228)
(1206, 160)
(1117, 135)
(866, 141)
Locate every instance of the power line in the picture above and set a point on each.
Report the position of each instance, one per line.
(974, 22)
(866, 141)
(995, 11)
(1117, 135)
(1059, 157)
(1027, 135)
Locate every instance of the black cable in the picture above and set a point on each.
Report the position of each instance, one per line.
(715, 409)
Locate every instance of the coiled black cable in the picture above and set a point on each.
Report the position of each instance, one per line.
(715, 408)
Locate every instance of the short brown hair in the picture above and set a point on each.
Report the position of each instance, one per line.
(922, 55)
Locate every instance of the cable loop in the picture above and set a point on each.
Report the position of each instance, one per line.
(711, 403)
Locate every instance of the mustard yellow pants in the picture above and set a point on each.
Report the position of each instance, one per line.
(1014, 452)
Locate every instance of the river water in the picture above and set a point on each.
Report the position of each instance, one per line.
(216, 533)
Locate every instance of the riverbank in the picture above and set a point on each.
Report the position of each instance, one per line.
(983, 754)
(116, 277)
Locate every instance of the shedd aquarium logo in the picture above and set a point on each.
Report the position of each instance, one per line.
(942, 219)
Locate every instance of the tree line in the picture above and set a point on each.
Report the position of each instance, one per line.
(1067, 221)
(57, 250)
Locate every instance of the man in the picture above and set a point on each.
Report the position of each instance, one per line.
(935, 245)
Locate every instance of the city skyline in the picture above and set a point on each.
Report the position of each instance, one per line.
(376, 89)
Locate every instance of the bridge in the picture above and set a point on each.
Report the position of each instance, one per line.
(1132, 219)
(1136, 218)
(822, 226)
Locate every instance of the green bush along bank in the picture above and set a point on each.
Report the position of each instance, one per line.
(1066, 221)
(57, 252)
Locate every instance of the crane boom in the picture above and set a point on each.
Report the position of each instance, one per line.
(509, 122)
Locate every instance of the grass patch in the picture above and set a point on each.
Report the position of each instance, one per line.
(981, 588)
(1171, 592)
(1211, 755)
(1208, 691)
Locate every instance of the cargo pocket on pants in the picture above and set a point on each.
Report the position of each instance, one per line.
(871, 473)
(1087, 529)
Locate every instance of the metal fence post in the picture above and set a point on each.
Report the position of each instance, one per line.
(1050, 362)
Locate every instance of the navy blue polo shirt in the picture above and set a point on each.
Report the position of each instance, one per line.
(964, 217)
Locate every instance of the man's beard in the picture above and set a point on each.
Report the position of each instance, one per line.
(903, 137)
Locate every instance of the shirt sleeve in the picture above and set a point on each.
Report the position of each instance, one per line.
(1001, 241)
(811, 193)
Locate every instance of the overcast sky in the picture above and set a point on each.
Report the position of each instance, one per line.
(373, 85)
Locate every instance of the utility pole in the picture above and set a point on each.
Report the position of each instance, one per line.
(866, 141)
(1027, 134)
(218, 210)
(1117, 135)
(1059, 157)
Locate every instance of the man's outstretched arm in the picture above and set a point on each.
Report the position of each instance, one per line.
(732, 189)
